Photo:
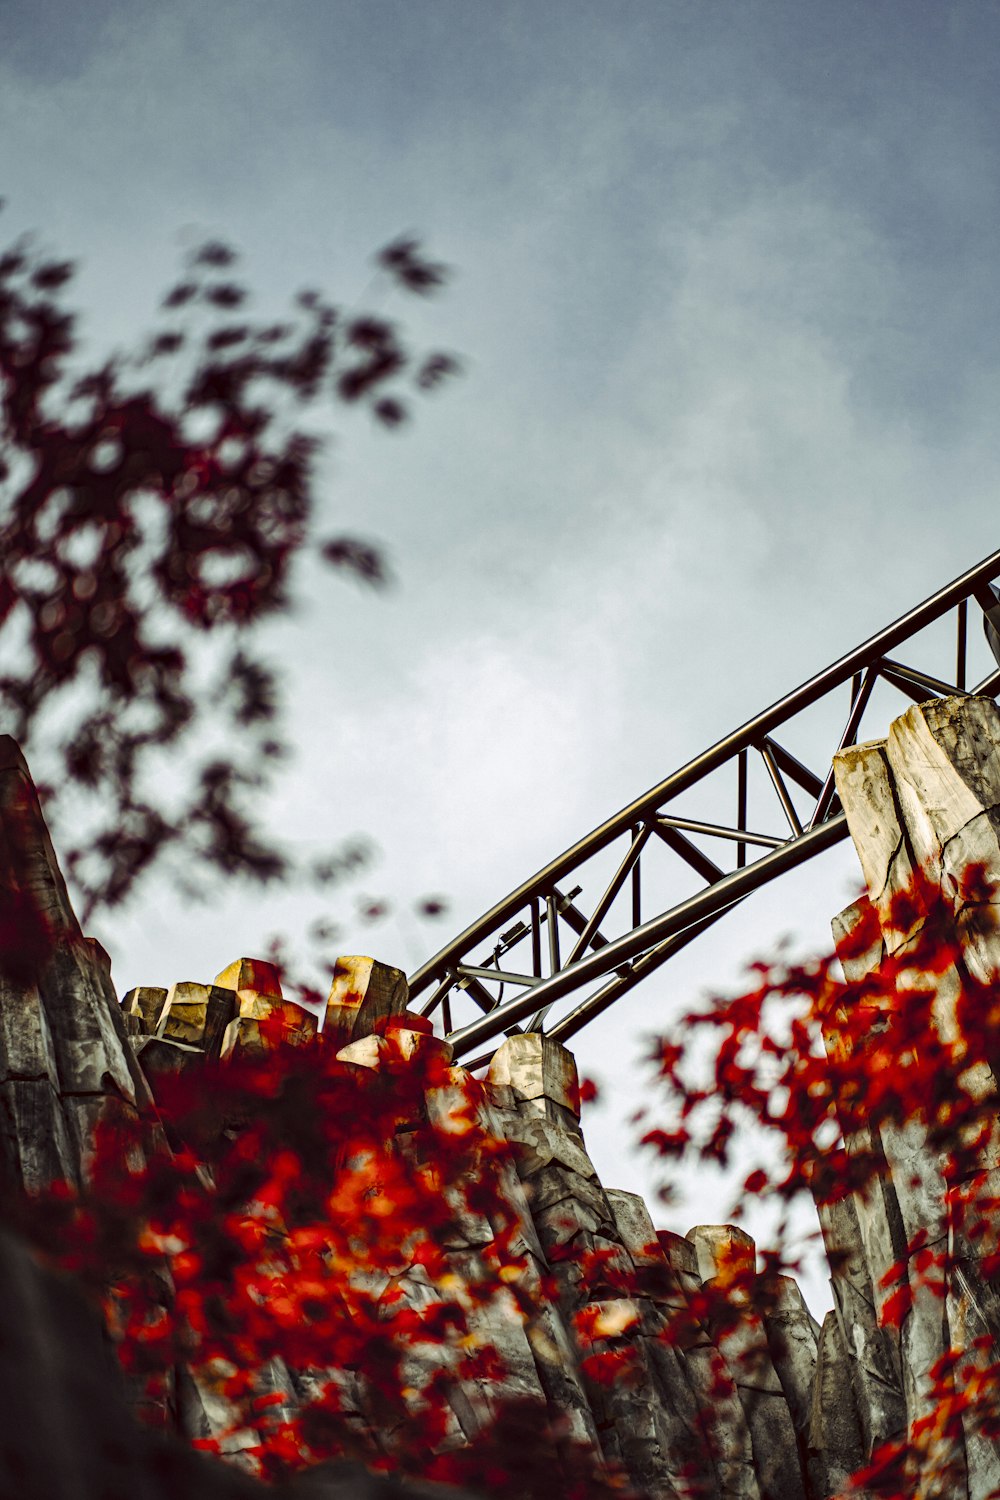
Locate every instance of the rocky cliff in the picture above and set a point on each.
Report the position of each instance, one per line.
(777, 1409)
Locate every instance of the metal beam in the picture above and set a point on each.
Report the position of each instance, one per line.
(475, 955)
(715, 898)
(753, 732)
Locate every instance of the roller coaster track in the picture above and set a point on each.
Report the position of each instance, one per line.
(544, 944)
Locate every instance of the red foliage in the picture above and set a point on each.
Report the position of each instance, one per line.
(316, 1214)
(830, 1069)
(589, 1091)
(149, 501)
(309, 1226)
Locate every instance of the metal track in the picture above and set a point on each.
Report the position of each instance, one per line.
(561, 945)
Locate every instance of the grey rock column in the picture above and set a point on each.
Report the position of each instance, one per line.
(836, 1444)
(722, 1250)
(727, 1430)
(575, 1223)
(64, 1051)
(926, 799)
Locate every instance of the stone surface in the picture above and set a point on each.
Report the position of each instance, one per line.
(66, 1431)
(541, 1075)
(924, 799)
(836, 1445)
(254, 976)
(145, 1002)
(363, 992)
(723, 1251)
(64, 1050)
(198, 1014)
(871, 1354)
(265, 1022)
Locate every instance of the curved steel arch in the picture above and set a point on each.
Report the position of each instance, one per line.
(544, 911)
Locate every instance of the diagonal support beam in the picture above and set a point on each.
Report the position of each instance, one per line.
(715, 898)
(789, 765)
(706, 868)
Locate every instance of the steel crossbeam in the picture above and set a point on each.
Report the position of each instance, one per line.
(561, 946)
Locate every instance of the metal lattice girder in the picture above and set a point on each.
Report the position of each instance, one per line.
(554, 937)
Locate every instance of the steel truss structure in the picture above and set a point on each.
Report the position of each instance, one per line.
(544, 944)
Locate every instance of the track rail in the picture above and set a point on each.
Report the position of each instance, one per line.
(545, 942)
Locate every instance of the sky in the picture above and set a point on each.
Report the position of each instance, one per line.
(726, 297)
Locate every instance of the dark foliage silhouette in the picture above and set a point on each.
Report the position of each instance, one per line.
(154, 508)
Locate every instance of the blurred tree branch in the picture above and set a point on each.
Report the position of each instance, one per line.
(153, 509)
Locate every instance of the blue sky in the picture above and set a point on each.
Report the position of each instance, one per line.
(727, 296)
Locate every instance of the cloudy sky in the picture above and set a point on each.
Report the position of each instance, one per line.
(726, 294)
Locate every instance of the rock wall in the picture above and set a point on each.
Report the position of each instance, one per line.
(925, 800)
(64, 1057)
(780, 1409)
(694, 1421)
(68, 1428)
(67, 1431)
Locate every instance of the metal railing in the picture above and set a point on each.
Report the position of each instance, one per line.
(546, 943)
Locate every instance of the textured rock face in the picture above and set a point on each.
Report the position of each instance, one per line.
(66, 1431)
(715, 1413)
(64, 1056)
(65, 1427)
(776, 1408)
(924, 799)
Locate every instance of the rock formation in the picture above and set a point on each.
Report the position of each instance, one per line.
(926, 799)
(777, 1409)
(66, 1430)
